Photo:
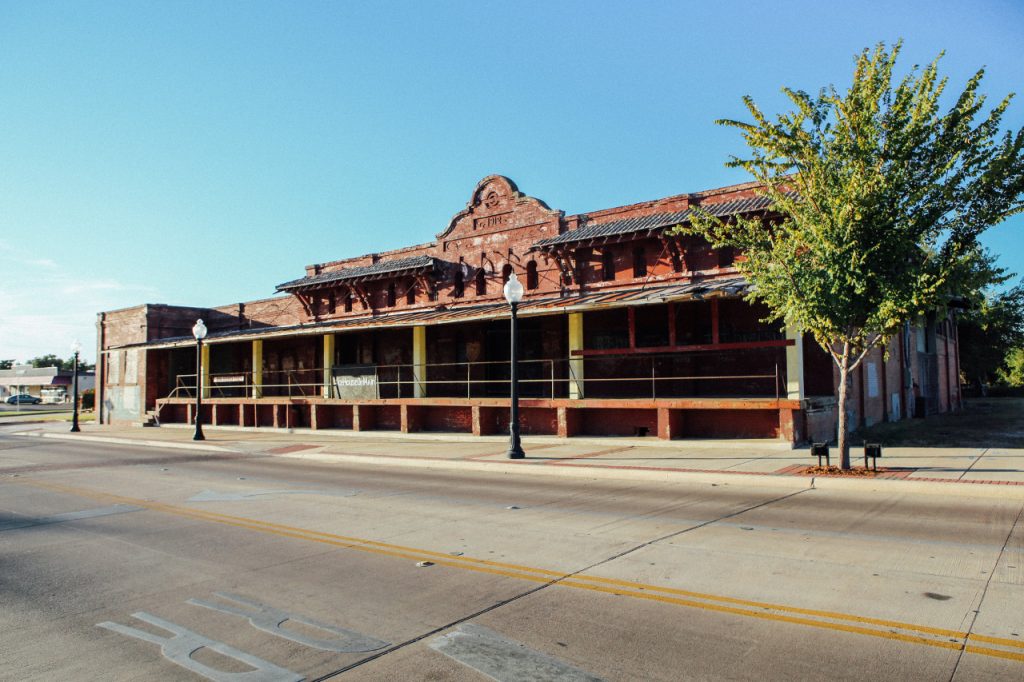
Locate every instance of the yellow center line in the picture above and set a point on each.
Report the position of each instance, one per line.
(638, 590)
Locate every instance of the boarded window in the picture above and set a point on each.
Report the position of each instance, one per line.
(391, 295)
(410, 294)
(506, 273)
(481, 282)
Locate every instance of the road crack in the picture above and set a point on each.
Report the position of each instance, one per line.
(546, 585)
(984, 592)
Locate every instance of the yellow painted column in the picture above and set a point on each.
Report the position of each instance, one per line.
(205, 362)
(328, 388)
(795, 365)
(575, 361)
(419, 361)
(257, 368)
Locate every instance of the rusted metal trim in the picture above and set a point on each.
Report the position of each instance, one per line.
(739, 345)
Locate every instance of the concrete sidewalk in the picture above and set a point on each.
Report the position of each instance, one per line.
(959, 471)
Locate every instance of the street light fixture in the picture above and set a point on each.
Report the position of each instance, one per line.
(76, 348)
(514, 294)
(199, 331)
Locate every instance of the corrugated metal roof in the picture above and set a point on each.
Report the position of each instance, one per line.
(379, 269)
(657, 221)
(726, 288)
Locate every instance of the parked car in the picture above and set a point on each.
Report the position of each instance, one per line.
(23, 398)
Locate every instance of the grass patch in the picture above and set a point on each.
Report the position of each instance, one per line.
(983, 423)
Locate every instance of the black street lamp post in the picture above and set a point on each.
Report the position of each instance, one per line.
(514, 294)
(77, 348)
(199, 331)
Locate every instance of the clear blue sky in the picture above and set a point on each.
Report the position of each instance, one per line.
(200, 153)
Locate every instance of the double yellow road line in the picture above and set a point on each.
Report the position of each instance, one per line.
(827, 620)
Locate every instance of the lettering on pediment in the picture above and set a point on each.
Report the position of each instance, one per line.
(493, 222)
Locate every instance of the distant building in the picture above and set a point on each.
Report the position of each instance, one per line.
(50, 384)
(626, 329)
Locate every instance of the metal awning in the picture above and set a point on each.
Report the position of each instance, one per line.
(648, 225)
(732, 287)
(417, 265)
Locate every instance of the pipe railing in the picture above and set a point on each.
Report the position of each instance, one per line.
(545, 378)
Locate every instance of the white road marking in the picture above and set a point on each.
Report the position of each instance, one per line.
(504, 660)
(179, 647)
(268, 619)
(68, 516)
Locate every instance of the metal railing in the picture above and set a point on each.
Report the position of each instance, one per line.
(606, 376)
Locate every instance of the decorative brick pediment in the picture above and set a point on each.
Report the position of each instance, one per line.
(497, 205)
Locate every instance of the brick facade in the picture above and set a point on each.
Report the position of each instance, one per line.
(453, 287)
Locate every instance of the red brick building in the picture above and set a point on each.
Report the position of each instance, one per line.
(626, 330)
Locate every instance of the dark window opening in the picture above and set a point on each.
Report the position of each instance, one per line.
(677, 261)
(459, 287)
(410, 294)
(332, 304)
(582, 258)
(348, 303)
(726, 257)
(506, 273)
(531, 275)
(651, 326)
(639, 262)
(391, 295)
(607, 265)
(481, 282)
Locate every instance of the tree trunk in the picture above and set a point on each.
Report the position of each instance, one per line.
(844, 381)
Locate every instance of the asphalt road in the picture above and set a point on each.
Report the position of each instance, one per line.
(120, 563)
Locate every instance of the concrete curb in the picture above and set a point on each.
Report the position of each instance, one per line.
(949, 489)
(125, 441)
(732, 444)
(565, 470)
(594, 471)
(952, 488)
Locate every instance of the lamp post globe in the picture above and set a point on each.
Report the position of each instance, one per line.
(76, 348)
(514, 294)
(199, 332)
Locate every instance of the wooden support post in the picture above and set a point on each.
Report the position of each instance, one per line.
(257, 368)
(575, 362)
(206, 370)
(795, 365)
(419, 361)
(671, 324)
(328, 384)
(714, 321)
(631, 312)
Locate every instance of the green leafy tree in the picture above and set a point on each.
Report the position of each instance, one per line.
(1012, 374)
(51, 360)
(992, 324)
(6, 364)
(878, 192)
